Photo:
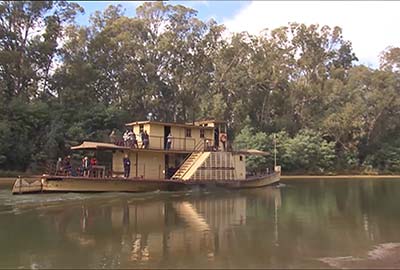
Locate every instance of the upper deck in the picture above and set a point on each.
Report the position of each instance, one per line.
(183, 137)
(201, 135)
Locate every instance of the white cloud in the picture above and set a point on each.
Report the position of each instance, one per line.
(371, 26)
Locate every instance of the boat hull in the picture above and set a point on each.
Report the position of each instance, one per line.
(83, 184)
(78, 184)
(255, 182)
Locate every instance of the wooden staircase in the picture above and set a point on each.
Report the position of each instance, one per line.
(192, 162)
(187, 164)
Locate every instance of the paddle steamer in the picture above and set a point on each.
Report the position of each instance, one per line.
(178, 157)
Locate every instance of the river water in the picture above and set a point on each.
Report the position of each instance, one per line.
(300, 224)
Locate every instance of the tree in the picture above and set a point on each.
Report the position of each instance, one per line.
(390, 59)
(27, 53)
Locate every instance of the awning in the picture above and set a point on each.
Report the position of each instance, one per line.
(96, 145)
(252, 152)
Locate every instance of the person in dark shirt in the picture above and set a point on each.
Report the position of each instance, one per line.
(67, 165)
(127, 166)
(146, 140)
(142, 136)
(132, 139)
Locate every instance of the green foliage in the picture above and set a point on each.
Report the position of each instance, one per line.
(387, 158)
(307, 151)
(248, 138)
(296, 82)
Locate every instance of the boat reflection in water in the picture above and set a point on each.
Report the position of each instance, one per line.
(179, 230)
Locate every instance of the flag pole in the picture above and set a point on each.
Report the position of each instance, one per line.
(274, 151)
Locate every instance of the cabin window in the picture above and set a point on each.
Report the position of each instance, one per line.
(201, 132)
(240, 158)
(141, 128)
(188, 132)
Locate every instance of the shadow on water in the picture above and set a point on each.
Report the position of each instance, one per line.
(308, 224)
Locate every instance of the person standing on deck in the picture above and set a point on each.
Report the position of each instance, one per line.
(142, 136)
(223, 138)
(130, 138)
(113, 137)
(58, 166)
(67, 165)
(85, 166)
(126, 137)
(134, 142)
(169, 141)
(93, 162)
(127, 166)
(146, 140)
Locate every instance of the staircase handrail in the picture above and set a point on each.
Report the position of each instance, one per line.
(197, 148)
(181, 164)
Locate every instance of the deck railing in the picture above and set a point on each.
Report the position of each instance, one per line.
(178, 143)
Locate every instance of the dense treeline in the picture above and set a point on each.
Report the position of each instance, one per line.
(61, 83)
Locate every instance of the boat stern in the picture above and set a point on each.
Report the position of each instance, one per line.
(23, 186)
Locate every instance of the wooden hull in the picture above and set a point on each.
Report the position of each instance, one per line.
(22, 186)
(78, 184)
(254, 182)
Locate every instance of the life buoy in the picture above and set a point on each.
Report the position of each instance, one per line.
(222, 137)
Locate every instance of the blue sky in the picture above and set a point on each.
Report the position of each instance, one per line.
(371, 26)
(219, 10)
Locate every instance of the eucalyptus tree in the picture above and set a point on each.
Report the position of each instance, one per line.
(30, 33)
(320, 53)
(29, 36)
(390, 59)
(183, 46)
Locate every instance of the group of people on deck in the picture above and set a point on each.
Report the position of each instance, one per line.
(129, 139)
(87, 166)
(64, 166)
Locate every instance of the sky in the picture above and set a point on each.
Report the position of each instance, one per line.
(371, 26)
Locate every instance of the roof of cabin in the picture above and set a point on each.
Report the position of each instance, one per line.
(209, 120)
(165, 124)
(252, 152)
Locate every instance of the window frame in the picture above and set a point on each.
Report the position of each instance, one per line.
(188, 132)
(202, 133)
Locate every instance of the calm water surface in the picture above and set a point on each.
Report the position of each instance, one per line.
(301, 224)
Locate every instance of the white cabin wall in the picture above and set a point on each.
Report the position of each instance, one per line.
(156, 133)
(178, 133)
(240, 166)
(151, 165)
